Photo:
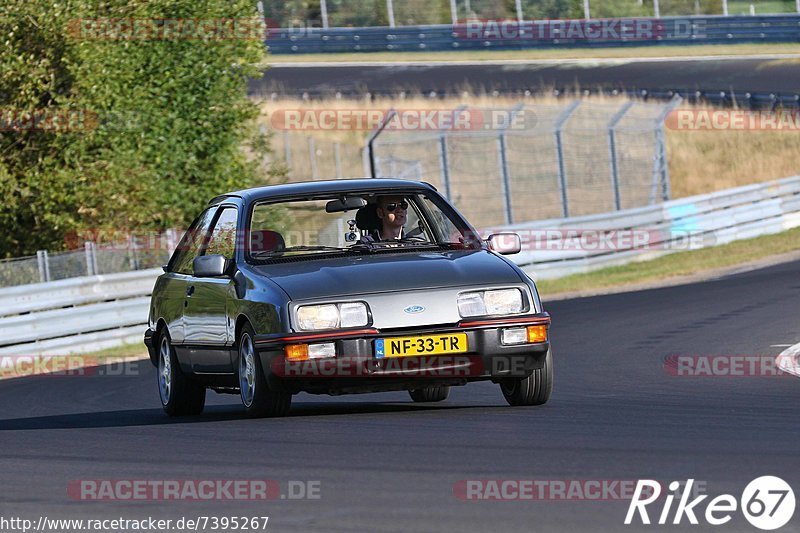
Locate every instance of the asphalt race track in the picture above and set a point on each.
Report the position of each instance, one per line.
(757, 75)
(386, 464)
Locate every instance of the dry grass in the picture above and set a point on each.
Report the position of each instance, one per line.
(699, 161)
(706, 161)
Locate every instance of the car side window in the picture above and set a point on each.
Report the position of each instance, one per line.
(223, 236)
(190, 244)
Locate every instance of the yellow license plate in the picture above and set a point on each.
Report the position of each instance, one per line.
(423, 345)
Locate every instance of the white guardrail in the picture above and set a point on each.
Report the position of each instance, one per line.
(92, 313)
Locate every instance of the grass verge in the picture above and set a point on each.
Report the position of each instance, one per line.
(539, 54)
(121, 352)
(676, 265)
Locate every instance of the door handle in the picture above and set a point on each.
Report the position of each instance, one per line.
(190, 290)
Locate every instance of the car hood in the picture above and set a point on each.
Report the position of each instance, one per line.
(326, 277)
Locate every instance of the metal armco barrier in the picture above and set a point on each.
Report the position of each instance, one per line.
(669, 30)
(554, 248)
(97, 312)
(75, 315)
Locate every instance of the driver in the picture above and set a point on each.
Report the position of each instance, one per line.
(392, 211)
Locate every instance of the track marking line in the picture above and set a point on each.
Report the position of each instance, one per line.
(787, 361)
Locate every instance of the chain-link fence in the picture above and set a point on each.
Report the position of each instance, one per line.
(359, 13)
(311, 158)
(134, 252)
(524, 163)
(547, 161)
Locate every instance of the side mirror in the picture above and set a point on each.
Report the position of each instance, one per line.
(209, 266)
(505, 243)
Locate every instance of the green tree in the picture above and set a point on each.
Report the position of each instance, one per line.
(164, 122)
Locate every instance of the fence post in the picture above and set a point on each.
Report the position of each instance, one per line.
(725, 7)
(390, 12)
(366, 163)
(323, 7)
(453, 12)
(797, 5)
(505, 180)
(444, 165)
(312, 157)
(562, 171)
(520, 17)
(370, 145)
(586, 11)
(612, 149)
(656, 9)
(660, 165)
(44, 265)
(444, 160)
(337, 156)
(133, 246)
(287, 150)
(90, 265)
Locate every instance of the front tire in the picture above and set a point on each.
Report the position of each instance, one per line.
(535, 389)
(180, 396)
(259, 397)
(432, 393)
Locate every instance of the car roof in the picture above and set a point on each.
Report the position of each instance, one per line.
(324, 187)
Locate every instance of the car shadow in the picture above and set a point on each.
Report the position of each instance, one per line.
(216, 413)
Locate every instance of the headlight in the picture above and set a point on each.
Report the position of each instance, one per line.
(332, 316)
(494, 302)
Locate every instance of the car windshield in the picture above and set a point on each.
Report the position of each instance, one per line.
(351, 223)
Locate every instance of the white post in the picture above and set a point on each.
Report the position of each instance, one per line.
(725, 7)
(454, 12)
(390, 11)
(519, 9)
(586, 13)
(797, 2)
(752, 10)
(323, 7)
(656, 10)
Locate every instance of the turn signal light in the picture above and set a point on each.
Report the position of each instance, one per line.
(297, 352)
(537, 333)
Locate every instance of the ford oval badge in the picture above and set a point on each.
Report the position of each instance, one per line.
(414, 309)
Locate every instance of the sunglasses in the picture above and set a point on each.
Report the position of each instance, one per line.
(394, 205)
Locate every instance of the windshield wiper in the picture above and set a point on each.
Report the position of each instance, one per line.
(269, 253)
(272, 253)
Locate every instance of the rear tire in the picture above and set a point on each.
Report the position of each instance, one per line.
(180, 396)
(535, 389)
(260, 397)
(433, 393)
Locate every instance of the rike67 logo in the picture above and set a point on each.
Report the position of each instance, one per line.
(767, 502)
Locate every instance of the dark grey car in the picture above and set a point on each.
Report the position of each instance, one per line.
(289, 288)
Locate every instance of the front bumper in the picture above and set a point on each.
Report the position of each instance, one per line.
(356, 367)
